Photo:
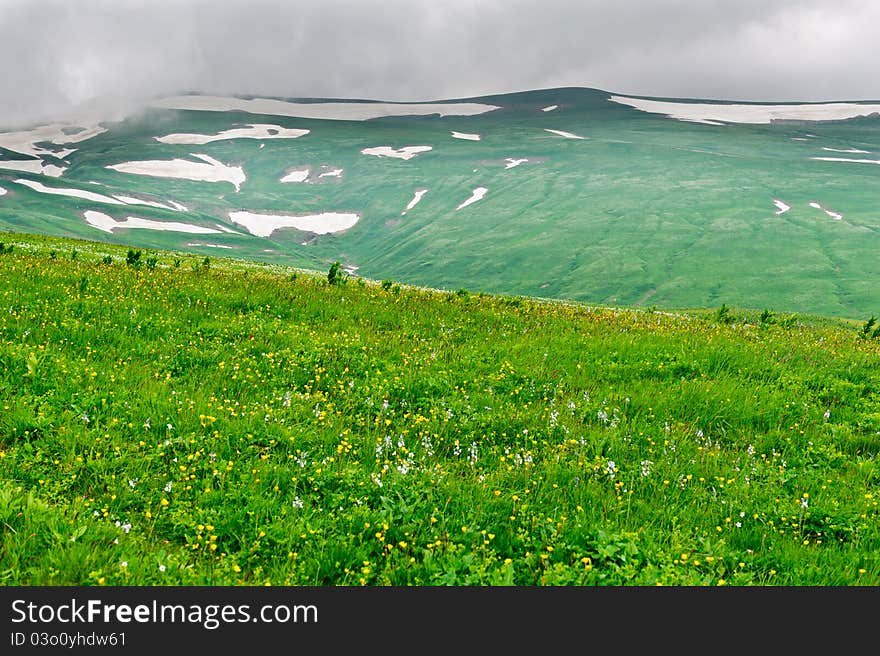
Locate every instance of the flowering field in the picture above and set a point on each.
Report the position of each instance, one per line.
(179, 420)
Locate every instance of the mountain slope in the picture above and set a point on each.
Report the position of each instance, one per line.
(563, 193)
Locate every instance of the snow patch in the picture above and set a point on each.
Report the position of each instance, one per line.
(208, 170)
(25, 141)
(511, 162)
(833, 215)
(252, 131)
(847, 150)
(72, 193)
(562, 133)
(476, 194)
(107, 223)
(297, 175)
(465, 135)
(263, 225)
(338, 111)
(417, 196)
(845, 159)
(37, 166)
(711, 113)
(407, 152)
(781, 207)
(550, 108)
(130, 200)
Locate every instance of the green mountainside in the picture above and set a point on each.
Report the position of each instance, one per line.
(643, 210)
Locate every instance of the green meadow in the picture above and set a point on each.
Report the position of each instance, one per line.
(171, 418)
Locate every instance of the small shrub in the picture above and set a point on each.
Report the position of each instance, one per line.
(73, 254)
(52, 255)
(766, 317)
(107, 259)
(176, 262)
(133, 258)
(151, 262)
(870, 330)
(292, 277)
(722, 314)
(387, 284)
(336, 276)
(206, 263)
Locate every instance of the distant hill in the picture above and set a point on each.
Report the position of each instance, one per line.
(569, 193)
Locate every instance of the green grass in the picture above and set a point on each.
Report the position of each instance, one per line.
(238, 423)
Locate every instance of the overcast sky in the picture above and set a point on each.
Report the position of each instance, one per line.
(114, 54)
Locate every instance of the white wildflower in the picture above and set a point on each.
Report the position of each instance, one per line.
(611, 468)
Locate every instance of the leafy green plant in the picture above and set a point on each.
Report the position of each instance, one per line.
(722, 314)
(870, 329)
(335, 275)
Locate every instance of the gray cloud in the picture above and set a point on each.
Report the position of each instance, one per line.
(64, 56)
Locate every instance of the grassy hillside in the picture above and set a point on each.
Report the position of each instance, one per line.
(185, 421)
(643, 210)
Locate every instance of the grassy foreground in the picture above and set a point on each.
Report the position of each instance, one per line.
(208, 423)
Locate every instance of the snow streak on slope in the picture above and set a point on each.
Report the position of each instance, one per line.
(845, 159)
(711, 113)
(25, 141)
(415, 200)
(407, 152)
(253, 131)
(107, 223)
(476, 194)
(209, 170)
(264, 224)
(337, 111)
(562, 133)
(781, 207)
(37, 166)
